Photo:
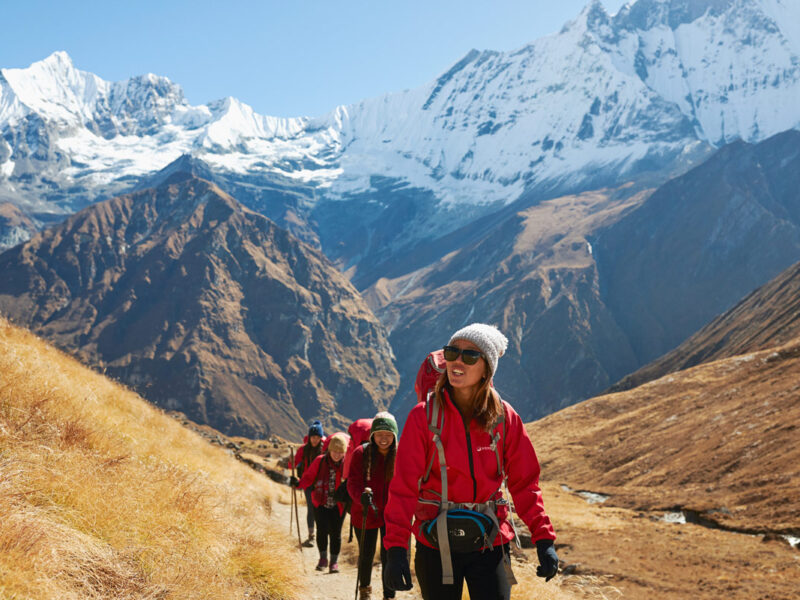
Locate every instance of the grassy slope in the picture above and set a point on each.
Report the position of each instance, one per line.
(104, 496)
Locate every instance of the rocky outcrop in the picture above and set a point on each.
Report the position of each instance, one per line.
(206, 307)
(15, 226)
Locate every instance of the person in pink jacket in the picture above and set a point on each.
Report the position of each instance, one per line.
(371, 470)
(328, 496)
(455, 449)
(305, 455)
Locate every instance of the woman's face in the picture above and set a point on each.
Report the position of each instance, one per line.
(462, 375)
(315, 440)
(384, 440)
(336, 455)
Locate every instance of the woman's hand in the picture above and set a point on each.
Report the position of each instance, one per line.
(397, 574)
(548, 559)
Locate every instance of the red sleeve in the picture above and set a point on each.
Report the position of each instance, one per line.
(355, 481)
(310, 474)
(522, 469)
(409, 466)
(298, 458)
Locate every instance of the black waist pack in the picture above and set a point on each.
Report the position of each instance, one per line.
(467, 530)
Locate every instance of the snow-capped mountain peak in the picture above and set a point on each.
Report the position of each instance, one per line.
(54, 89)
(606, 97)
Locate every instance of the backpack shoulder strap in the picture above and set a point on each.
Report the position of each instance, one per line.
(499, 438)
(435, 418)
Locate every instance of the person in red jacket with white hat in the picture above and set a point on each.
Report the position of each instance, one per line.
(454, 451)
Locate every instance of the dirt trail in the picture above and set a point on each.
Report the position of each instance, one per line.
(333, 586)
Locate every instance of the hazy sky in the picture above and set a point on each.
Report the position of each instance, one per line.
(284, 58)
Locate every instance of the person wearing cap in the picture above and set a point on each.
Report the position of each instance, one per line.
(311, 448)
(465, 427)
(324, 476)
(371, 468)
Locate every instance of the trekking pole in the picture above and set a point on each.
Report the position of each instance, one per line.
(291, 505)
(296, 517)
(361, 537)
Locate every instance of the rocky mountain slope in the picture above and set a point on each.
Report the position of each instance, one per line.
(530, 271)
(768, 316)
(15, 226)
(447, 203)
(592, 286)
(606, 99)
(702, 242)
(205, 307)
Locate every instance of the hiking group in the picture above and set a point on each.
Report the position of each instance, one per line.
(442, 482)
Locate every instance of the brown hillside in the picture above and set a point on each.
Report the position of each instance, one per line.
(720, 440)
(206, 307)
(716, 445)
(767, 317)
(103, 496)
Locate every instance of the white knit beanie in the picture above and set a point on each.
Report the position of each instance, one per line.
(488, 338)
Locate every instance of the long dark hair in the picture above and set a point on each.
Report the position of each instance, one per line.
(371, 451)
(486, 402)
(311, 452)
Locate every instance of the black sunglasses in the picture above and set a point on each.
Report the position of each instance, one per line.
(470, 357)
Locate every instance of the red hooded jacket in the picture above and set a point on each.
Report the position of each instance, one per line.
(376, 480)
(318, 474)
(471, 474)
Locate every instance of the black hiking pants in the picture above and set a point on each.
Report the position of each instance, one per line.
(366, 554)
(483, 572)
(309, 510)
(329, 525)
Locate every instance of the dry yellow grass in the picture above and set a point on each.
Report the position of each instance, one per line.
(104, 496)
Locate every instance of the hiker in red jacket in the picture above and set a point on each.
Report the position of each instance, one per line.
(311, 449)
(455, 449)
(371, 470)
(328, 495)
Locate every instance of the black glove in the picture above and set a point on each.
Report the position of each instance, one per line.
(293, 481)
(366, 500)
(341, 495)
(397, 574)
(548, 559)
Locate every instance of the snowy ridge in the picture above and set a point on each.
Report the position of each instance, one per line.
(606, 97)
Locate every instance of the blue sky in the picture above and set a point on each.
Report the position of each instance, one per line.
(284, 58)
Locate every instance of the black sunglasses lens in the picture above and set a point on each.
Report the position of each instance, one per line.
(470, 357)
(450, 353)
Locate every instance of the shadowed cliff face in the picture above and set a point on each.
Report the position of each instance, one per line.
(205, 307)
(15, 226)
(765, 318)
(701, 243)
